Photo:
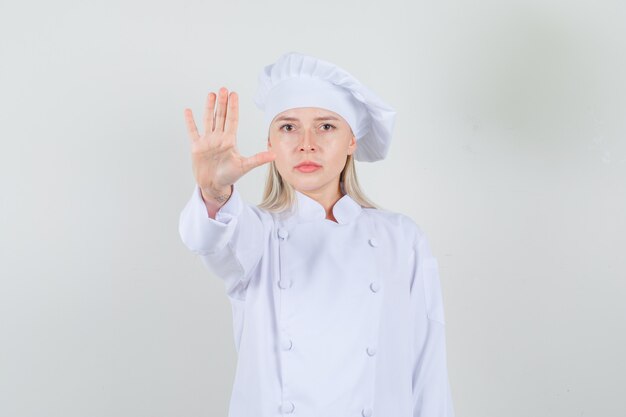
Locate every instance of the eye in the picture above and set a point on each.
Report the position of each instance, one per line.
(287, 125)
(328, 124)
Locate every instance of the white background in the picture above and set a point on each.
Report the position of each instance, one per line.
(509, 151)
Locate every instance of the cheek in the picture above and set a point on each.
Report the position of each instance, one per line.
(339, 163)
(339, 155)
(282, 160)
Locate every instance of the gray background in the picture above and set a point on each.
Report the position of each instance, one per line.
(509, 152)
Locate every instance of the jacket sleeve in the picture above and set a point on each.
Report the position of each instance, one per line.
(231, 245)
(431, 388)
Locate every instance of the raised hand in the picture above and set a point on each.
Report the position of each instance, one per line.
(216, 161)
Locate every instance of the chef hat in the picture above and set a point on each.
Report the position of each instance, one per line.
(298, 80)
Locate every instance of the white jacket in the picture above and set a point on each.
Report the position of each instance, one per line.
(330, 319)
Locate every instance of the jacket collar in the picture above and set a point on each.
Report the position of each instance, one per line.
(307, 209)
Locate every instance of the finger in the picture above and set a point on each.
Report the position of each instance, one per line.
(192, 130)
(221, 109)
(232, 115)
(209, 112)
(257, 160)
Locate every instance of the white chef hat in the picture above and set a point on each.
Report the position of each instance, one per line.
(298, 80)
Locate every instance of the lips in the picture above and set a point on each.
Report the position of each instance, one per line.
(308, 164)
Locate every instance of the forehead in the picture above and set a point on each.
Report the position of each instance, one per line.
(307, 113)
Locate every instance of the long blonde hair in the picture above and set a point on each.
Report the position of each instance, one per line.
(280, 195)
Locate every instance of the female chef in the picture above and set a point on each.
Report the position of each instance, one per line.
(337, 305)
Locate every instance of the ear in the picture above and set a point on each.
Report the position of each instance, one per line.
(352, 145)
(269, 144)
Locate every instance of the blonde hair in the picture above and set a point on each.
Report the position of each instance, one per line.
(280, 195)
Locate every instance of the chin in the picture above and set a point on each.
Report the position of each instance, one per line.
(306, 185)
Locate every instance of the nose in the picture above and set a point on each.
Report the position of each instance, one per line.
(307, 142)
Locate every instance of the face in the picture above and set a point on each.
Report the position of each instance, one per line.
(315, 135)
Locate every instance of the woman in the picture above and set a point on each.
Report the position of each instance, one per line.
(337, 307)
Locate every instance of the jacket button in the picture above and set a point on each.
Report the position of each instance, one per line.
(287, 344)
(287, 407)
(375, 286)
(373, 242)
(371, 351)
(283, 233)
(367, 412)
(284, 283)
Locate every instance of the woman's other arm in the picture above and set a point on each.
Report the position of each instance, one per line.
(431, 388)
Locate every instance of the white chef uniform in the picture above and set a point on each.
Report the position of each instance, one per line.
(331, 319)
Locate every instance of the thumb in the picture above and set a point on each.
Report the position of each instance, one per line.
(258, 160)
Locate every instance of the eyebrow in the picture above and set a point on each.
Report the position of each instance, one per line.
(295, 119)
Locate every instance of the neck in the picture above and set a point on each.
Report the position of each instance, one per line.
(327, 198)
